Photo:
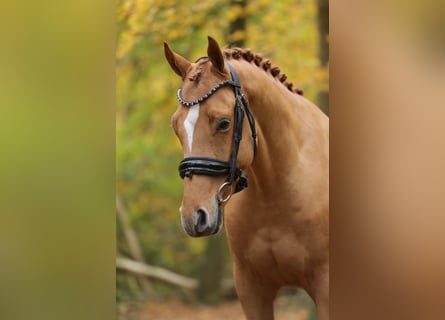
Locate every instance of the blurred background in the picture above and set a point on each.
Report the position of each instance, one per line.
(157, 264)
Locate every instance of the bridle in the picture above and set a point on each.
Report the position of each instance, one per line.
(215, 167)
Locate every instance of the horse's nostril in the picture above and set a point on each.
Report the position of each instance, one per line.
(201, 222)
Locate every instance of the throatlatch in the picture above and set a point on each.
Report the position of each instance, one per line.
(215, 167)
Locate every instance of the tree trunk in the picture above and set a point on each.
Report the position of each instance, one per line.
(237, 25)
(212, 270)
(133, 243)
(323, 48)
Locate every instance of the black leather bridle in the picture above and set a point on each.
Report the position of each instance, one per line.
(214, 167)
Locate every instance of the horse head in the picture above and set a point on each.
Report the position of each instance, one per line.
(210, 128)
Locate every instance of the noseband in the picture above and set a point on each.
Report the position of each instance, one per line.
(214, 167)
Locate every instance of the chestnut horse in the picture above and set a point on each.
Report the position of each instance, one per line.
(239, 118)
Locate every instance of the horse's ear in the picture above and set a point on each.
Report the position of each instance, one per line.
(215, 55)
(178, 63)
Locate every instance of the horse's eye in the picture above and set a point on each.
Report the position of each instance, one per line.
(223, 125)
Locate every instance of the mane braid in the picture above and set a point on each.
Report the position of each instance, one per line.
(259, 61)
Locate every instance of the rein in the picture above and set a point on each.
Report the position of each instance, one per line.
(214, 167)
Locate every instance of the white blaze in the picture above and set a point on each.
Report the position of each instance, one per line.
(189, 123)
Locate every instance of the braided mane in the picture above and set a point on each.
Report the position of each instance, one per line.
(265, 64)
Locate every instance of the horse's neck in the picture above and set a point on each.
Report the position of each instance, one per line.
(292, 132)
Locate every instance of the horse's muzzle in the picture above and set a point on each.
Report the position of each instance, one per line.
(201, 223)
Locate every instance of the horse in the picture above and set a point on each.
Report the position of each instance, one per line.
(256, 151)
